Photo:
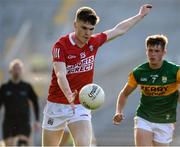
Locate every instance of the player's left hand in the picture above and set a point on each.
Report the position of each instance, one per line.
(71, 100)
(118, 117)
(145, 9)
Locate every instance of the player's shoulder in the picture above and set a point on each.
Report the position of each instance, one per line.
(170, 68)
(171, 64)
(141, 67)
(62, 40)
(98, 35)
(98, 39)
(4, 84)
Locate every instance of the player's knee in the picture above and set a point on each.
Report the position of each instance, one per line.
(83, 141)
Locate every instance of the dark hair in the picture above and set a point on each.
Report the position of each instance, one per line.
(87, 14)
(156, 40)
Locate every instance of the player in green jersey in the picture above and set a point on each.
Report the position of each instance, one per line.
(158, 80)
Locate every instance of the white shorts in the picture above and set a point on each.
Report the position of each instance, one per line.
(58, 116)
(162, 132)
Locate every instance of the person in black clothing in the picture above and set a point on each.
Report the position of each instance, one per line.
(16, 96)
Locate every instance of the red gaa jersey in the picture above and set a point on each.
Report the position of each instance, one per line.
(79, 64)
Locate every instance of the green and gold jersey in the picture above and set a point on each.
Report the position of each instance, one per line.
(159, 91)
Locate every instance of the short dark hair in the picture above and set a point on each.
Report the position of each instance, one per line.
(156, 40)
(87, 14)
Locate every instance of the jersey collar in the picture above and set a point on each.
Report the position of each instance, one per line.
(71, 39)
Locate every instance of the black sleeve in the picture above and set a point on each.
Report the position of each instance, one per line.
(34, 99)
(1, 96)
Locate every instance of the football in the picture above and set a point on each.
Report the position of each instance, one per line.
(91, 96)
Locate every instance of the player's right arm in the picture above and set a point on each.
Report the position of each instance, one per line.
(60, 71)
(122, 98)
(59, 66)
(121, 101)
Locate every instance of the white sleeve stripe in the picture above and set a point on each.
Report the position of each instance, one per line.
(56, 53)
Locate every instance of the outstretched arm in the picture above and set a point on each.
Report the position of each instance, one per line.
(125, 25)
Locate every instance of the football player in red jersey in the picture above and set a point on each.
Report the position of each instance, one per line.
(73, 67)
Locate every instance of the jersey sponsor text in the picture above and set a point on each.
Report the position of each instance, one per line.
(83, 66)
(154, 90)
